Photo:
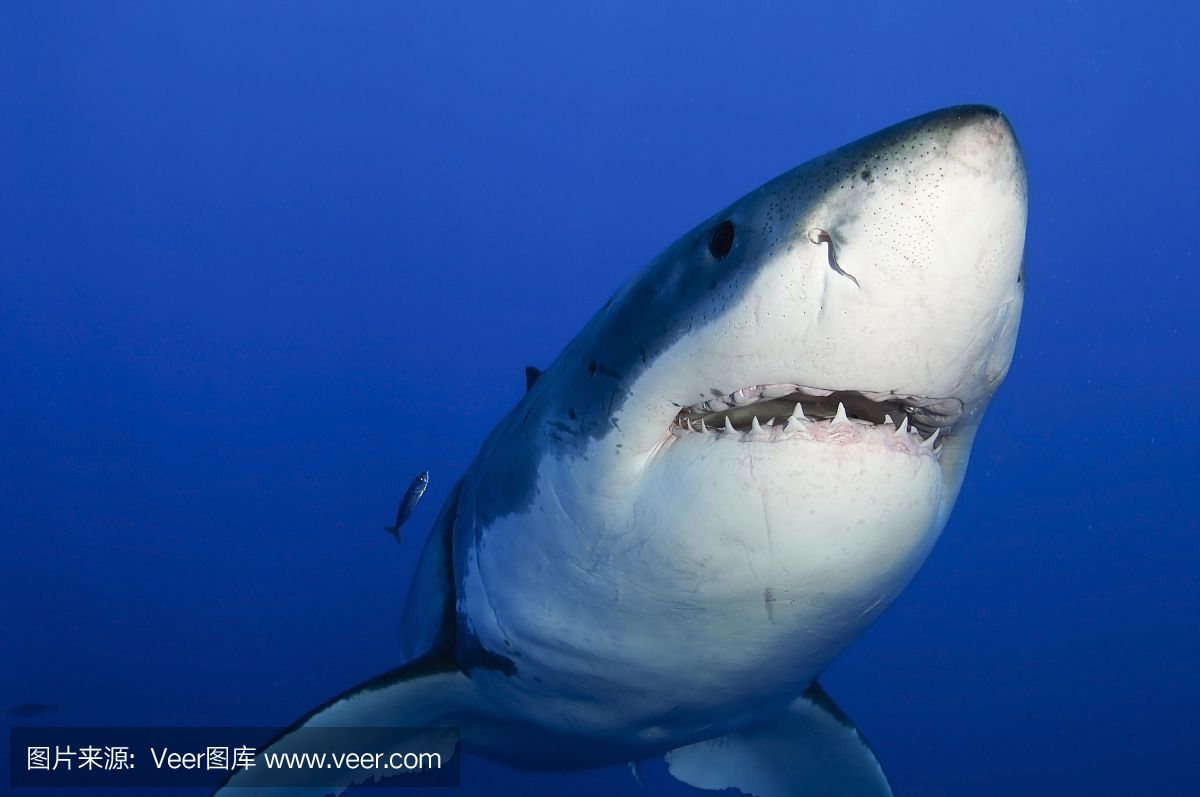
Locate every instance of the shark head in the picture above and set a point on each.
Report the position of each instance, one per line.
(753, 446)
(878, 286)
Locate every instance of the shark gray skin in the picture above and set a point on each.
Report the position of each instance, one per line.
(729, 473)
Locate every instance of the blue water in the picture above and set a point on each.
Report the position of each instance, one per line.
(262, 263)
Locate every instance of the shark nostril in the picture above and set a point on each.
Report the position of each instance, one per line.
(721, 241)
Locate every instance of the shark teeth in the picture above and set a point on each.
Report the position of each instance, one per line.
(749, 395)
(843, 428)
(758, 431)
(777, 412)
(840, 417)
(835, 431)
(928, 413)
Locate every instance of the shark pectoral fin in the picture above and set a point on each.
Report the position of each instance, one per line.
(811, 750)
(417, 707)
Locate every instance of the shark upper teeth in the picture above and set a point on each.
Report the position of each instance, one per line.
(776, 391)
(748, 395)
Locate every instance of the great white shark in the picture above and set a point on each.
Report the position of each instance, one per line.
(727, 475)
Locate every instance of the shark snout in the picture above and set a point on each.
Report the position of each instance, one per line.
(982, 140)
(913, 236)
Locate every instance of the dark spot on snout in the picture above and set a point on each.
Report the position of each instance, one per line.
(571, 413)
(721, 241)
(592, 368)
(867, 176)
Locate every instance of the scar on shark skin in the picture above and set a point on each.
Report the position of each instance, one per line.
(769, 604)
(819, 236)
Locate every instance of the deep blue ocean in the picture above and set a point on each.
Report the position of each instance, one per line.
(261, 263)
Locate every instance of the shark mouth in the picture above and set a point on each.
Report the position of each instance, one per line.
(769, 413)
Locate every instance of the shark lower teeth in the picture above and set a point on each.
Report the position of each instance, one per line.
(770, 413)
(841, 428)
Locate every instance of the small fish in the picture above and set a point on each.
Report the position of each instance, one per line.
(408, 503)
(32, 709)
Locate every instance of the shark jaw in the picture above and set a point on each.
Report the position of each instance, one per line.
(777, 413)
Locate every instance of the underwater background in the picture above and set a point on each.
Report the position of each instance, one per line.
(262, 263)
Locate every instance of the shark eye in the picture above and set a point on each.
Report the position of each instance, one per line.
(722, 240)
